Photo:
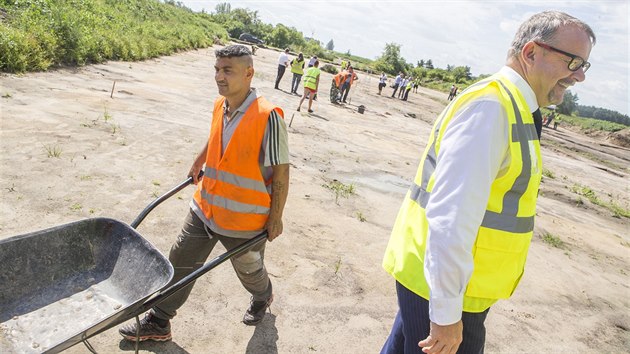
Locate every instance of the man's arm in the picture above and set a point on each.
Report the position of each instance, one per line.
(198, 164)
(470, 158)
(279, 193)
(277, 157)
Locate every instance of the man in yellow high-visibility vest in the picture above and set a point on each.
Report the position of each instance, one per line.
(461, 237)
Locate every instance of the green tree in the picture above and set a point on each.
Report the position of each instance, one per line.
(569, 103)
(420, 64)
(390, 61)
(460, 74)
(223, 8)
(429, 64)
(284, 37)
(330, 45)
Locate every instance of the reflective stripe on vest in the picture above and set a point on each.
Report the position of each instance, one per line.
(507, 220)
(310, 78)
(502, 240)
(232, 191)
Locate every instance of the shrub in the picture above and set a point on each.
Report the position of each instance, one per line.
(331, 69)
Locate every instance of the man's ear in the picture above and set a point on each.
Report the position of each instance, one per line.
(250, 72)
(529, 53)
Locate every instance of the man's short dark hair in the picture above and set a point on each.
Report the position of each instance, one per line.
(232, 51)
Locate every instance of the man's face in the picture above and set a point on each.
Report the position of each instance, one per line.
(233, 75)
(550, 75)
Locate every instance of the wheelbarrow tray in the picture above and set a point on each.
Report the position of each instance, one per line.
(65, 284)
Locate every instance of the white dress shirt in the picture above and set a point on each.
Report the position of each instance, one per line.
(283, 59)
(473, 153)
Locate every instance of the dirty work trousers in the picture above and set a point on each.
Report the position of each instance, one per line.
(189, 253)
(334, 93)
(412, 325)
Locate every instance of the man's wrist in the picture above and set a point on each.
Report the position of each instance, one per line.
(446, 311)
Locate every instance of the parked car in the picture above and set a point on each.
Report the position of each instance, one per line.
(246, 37)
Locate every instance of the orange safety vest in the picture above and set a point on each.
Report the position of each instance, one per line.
(340, 78)
(232, 190)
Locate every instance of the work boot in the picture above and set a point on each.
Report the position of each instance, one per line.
(256, 311)
(149, 330)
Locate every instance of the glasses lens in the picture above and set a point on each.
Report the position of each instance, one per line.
(576, 63)
(586, 66)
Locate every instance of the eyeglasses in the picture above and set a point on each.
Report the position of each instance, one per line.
(576, 61)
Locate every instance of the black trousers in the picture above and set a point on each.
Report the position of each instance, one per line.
(281, 69)
(412, 325)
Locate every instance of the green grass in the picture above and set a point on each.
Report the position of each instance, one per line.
(614, 207)
(40, 34)
(553, 241)
(548, 173)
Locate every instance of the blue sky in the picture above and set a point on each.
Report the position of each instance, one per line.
(457, 32)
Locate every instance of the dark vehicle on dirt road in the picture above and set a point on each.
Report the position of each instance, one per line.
(246, 37)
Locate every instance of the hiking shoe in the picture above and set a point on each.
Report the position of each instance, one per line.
(256, 311)
(310, 111)
(149, 330)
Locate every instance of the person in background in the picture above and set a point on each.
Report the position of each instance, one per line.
(397, 81)
(312, 61)
(311, 83)
(297, 68)
(283, 62)
(335, 86)
(461, 237)
(382, 82)
(345, 87)
(408, 88)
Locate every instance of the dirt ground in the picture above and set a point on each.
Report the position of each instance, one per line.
(69, 152)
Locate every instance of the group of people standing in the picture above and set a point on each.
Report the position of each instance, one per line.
(403, 86)
(340, 86)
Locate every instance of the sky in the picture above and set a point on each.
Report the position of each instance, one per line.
(457, 32)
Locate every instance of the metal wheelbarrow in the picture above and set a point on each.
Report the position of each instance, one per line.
(63, 285)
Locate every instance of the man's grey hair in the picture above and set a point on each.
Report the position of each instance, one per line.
(543, 27)
(232, 51)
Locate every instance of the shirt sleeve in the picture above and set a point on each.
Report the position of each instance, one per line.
(470, 157)
(277, 141)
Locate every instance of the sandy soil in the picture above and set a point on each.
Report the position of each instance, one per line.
(331, 294)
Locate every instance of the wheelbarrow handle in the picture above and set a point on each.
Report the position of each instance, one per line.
(170, 290)
(162, 198)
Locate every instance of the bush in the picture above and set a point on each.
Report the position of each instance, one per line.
(37, 34)
(331, 69)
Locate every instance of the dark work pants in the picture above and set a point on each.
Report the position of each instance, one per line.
(345, 89)
(281, 69)
(190, 251)
(412, 325)
(395, 89)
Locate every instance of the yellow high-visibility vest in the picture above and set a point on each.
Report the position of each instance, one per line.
(503, 238)
(310, 78)
(297, 66)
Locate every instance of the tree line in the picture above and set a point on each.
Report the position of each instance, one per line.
(570, 106)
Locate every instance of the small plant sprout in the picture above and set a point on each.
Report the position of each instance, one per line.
(340, 189)
(53, 150)
(337, 266)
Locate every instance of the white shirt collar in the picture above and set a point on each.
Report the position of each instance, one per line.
(522, 85)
